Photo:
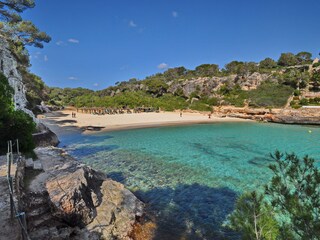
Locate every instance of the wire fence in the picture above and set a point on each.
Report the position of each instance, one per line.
(14, 210)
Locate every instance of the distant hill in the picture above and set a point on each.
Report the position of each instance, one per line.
(268, 83)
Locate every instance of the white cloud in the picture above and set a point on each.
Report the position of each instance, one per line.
(45, 58)
(73, 40)
(163, 66)
(96, 84)
(60, 43)
(174, 14)
(132, 24)
(72, 78)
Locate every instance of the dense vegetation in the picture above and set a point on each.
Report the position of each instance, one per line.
(17, 32)
(13, 124)
(289, 207)
(178, 88)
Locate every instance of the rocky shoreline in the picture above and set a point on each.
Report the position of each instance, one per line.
(64, 199)
(285, 116)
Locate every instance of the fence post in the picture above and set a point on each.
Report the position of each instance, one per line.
(9, 160)
(18, 150)
(11, 198)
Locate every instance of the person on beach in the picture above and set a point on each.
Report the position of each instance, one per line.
(209, 115)
(180, 114)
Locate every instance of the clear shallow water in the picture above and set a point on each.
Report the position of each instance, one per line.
(190, 176)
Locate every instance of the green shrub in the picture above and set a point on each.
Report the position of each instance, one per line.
(17, 125)
(304, 102)
(200, 106)
(13, 124)
(270, 95)
(316, 64)
(296, 92)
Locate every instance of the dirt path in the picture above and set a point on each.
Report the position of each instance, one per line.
(9, 229)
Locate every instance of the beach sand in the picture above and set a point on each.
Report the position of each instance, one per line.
(89, 123)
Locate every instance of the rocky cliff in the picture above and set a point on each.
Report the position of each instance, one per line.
(9, 67)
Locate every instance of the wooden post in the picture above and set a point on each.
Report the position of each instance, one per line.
(11, 198)
(11, 155)
(8, 165)
(18, 150)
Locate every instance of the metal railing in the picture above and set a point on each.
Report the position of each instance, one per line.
(14, 211)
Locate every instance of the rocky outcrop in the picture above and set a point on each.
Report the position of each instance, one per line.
(45, 137)
(286, 116)
(68, 200)
(298, 116)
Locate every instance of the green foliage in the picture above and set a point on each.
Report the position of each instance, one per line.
(294, 194)
(289, 207)
(213, 101)
(156, 87)
(225, 89)
(241, 68)
(254, 218)
(269, 95)
(66, 96)
(315, 80)
(6, 93)
(13, 28)
(206, 70)
(296, 92)
(20, 52)
(169, 103)
(132, 100)
(287, 59)
(294, 78)
(268, 63)
(13, 124)
(310, 102)
(200, 106)
(304, 57)
(17, 125)
(175, 73)
(316, 64)
(236, 96)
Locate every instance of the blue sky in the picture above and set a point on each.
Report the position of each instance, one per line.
(99, 42)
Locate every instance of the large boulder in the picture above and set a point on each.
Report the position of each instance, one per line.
(85, 198)
(68, 200)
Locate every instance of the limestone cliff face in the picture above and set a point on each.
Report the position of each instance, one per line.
(9, 67)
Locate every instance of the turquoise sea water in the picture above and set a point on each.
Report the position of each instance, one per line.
(190, 176)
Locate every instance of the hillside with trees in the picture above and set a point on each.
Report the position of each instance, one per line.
(268, 84)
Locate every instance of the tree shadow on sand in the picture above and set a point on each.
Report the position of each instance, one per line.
(189, 212)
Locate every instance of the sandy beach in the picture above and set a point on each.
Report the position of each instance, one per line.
(91, 123)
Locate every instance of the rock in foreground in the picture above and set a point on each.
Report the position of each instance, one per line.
(83, 203)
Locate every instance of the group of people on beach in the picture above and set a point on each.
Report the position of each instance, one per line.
(73, 114)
